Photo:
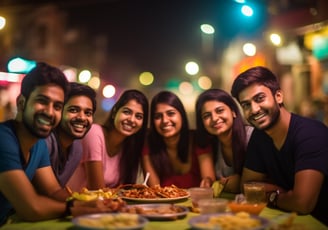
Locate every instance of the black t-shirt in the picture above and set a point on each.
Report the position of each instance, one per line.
(305, 147)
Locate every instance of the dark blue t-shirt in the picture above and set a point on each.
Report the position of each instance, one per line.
(11, 159)
(305, 147)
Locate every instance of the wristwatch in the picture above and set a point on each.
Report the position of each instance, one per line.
(273, 198)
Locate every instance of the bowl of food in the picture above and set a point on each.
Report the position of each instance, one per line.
(251, 208)
(214, 205)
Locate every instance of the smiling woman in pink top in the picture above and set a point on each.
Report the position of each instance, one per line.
(112, 152)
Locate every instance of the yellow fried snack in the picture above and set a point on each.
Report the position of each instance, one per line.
(217, 188)
(84, 196)
(87, 195)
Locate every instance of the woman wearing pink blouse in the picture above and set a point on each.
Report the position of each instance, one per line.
(112, 152)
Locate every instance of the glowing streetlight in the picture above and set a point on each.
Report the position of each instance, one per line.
(207, 38)
(207, 29)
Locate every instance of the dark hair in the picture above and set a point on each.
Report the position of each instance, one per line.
(132, 146)
(157, 147)
(260, 75)
(77, 89)
(43, 74)
(239, 142)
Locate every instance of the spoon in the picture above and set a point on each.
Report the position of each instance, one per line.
(146, 179)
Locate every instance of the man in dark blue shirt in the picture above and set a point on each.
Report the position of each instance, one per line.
(287, 151)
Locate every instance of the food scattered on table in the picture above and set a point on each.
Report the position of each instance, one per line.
(241, 220)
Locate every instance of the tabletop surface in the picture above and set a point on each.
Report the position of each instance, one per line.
(306, 220)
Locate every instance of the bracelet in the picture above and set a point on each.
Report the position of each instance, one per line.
(69, 205)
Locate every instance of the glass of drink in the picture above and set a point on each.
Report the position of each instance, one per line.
(198, 193)
(255, 192)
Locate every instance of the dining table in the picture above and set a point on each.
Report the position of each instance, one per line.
(306, 221)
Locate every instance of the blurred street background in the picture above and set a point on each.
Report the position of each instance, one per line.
(184, 46)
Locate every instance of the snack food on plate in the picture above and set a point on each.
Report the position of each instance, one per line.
(87, 195)
(155, 192)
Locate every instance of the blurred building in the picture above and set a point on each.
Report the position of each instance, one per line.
(42, 33)
(301, 61)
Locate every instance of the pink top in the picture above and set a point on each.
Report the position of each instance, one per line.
(94, 149)
(189, 179)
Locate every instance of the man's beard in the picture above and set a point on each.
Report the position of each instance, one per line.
(274, 119)
(34, 130)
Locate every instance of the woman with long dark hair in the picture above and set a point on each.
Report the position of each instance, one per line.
(112, 152)
(170, 155)
(221, 125)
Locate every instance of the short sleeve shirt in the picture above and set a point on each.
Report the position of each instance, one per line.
(11, 159)
(64, 170)
(94, 149)
(305, 147)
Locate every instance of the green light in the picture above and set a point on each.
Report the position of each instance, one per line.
(20, 65)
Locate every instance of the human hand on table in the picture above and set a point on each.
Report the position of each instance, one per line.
(206, 182)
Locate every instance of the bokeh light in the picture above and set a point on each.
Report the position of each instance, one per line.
(70, 74)
(94, 82)
(249, 49)
(204, 82)
(84, 76)
(172, 84)
(2, 22)
(247, 10)
(146, 78)
(275, 39)
(192, 68)
(107, 104)
(186, 88)
(20, 65)
(108, 91)
(207, 29)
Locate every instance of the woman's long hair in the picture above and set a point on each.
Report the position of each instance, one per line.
(239, 142)
(132, 145)
(157, 148)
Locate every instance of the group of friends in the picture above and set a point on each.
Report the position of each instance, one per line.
(53, 147)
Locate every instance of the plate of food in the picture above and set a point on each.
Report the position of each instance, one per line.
(107, 221)
(87, 195)
(159, 211)
(225, 221)
(154, 194)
